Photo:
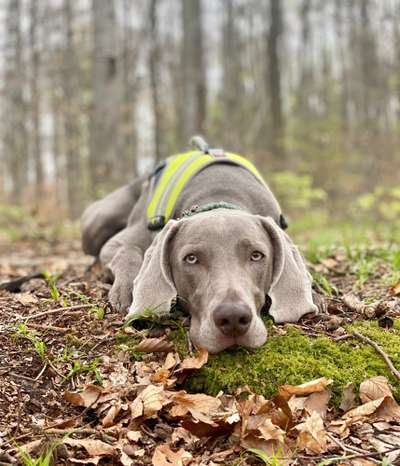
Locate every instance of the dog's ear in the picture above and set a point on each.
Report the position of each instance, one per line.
(290, 289)
(153, 288)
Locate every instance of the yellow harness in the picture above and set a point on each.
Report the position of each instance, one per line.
(176, 173)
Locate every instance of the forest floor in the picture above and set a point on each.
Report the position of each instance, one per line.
(72, 388)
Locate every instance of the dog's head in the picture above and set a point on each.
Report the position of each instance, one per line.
(222, 264)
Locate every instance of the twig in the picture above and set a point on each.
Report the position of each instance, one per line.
(41, 372)
(58, 309)
(353, 450)
(50, 327)
(379, 350)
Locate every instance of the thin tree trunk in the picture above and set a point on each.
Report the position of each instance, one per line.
(15, 137)
(71, 123)
(129, 85)
(155, 82)
(274, 78)
(193, 102)
(35, 104)
(106, 97)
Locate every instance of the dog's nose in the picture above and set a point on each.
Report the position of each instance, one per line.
(232, 319)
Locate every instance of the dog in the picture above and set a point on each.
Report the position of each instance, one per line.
(209, 232)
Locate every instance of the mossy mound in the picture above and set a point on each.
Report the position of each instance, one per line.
(295, 358)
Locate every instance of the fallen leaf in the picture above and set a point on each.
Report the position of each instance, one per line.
(318, 402)
(164, 456)
(180, 433)
(112, 413)
(312, 435)
(384, 408)
(374, 388)
(26, 299)
(93, 447)
(154, 345)
(395, 290)
(196, 362)
(317, 385)
(134, 435)
(86, 398)
(93, 460)
(348, 398)
(149, 401)
(160, 376)
(202, 407)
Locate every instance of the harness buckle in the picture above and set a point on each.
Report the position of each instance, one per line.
(156, 223)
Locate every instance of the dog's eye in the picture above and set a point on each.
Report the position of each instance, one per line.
(191, 259)
(256, 256)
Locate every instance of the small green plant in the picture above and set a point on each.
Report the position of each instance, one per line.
(78, 367)
(324, 284)
(52, 284)
(31, 335)
(100, 312)
(44, 459)
(269, 460)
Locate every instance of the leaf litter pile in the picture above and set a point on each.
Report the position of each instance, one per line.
(71, 391)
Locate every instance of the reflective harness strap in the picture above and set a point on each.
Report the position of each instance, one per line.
(177, 172)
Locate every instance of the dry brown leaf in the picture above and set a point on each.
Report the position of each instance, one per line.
(269, 431)
(149, 401)
(160, 376)
(395, 290)
(134, 435)
(196, 362)
(181, 433)
(86, 398)
(112, 413)
(93, 460)
(164, 456)
(171, 361)
(202, 407)
(384, 408)
(318, 402)
(312, 435)
(155, 345)
(374, 388)
(317, 385)
(26, 299)
(93, 447)
(348, 398)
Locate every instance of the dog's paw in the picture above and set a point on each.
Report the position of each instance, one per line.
(120, 296)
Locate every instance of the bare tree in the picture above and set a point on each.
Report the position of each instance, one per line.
(35, 103)
(71, 121)
(193, 102)
(106, 96)
(274, 77)
(155, 81)
(15, 125)
(130, 52)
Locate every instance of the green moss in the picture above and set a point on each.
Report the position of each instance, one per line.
(295, 358)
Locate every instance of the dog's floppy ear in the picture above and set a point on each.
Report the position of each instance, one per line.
(290, 290)
(153, 288)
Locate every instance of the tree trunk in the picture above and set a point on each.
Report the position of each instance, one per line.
(15, 108)
(274, 78)
(193, 102)
(128, 168)
(155, 82)
(232, 88)
(35, 104)
(71, 122)
(106, 103)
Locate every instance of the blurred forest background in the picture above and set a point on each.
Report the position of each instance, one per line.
(94, 92)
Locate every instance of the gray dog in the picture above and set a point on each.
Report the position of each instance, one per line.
(206, 229)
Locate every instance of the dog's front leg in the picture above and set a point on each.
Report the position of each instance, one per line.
(122, 258)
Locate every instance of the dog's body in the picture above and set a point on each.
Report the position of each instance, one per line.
(221, 263)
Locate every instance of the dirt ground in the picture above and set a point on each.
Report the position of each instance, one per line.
(74, 343)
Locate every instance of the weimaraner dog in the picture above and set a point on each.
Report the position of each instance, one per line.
(222, 264)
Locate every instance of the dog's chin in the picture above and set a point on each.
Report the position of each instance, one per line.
(215, 342)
